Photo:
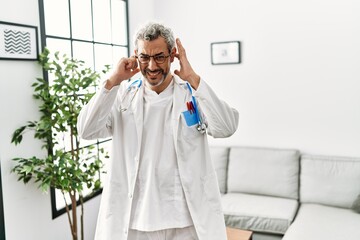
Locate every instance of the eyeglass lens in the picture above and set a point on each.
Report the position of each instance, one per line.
(157, 58)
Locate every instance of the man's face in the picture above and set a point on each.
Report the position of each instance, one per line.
(156, 69)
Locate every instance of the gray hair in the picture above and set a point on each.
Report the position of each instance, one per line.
(152, 31)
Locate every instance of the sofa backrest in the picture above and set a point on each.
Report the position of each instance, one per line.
(328, 180)
(220, 157)
(264, 171)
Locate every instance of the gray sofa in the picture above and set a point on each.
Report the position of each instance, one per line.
(282, 194)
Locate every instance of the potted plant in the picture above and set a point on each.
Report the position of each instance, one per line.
(68, 169)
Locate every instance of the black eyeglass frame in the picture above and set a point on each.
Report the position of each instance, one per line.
(152, 56)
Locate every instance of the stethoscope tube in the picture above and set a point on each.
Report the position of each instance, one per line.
(127, 91)
(201, 126)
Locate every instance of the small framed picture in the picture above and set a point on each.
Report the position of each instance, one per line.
(18, 42)
(225, 52)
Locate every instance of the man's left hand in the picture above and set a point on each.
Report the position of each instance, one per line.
(186, 72)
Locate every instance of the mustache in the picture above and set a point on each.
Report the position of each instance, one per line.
(154, 71)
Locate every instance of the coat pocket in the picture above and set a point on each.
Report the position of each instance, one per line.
(189, 132)
(212, 192)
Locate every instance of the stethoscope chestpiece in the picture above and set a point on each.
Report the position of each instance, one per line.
(201, 128)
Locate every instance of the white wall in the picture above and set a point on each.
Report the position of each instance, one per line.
(139, 12)
(299, 83)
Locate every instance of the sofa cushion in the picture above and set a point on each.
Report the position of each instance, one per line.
(258, 213)
(264, 171)
(329, 180)
(356, 204)
(220, 156)
(316, 222)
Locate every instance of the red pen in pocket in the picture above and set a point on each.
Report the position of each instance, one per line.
(190, 107)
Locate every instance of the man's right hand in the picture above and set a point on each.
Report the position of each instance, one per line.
(125, 69)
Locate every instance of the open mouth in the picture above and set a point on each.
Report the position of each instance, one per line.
(153, 74)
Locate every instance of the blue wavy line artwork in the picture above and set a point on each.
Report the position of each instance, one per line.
(17, 42)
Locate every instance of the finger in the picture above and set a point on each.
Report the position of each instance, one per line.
(178, 43)
(181, 49)
(131, 64)
(132, 72)
(135, 64)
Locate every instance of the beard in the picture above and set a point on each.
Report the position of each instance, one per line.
(151, 76)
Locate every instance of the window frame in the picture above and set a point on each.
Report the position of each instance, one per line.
(43, 36)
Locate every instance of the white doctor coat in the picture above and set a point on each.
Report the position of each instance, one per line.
(102, 118)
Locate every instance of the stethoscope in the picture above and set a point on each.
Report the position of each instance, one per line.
(137, 84)
(201, 127)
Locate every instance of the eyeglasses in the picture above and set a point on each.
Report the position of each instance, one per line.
(159, 58)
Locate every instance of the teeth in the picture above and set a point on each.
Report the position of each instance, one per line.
(153, 73)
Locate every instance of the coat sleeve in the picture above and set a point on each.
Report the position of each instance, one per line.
(221, 119)
(95, 120)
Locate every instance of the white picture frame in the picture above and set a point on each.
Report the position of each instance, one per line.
(225, 52)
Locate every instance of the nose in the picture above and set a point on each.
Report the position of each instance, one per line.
(152, 65)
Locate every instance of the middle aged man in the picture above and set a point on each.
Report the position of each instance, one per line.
(162, 183)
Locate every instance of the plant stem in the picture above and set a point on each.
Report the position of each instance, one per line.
(82, 217)
(68, 214)
(72, 142)
(74, 215)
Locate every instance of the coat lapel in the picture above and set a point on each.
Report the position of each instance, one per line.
(179, 103)
(138, 110)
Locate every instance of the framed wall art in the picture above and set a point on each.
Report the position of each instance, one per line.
(225, 52)
(18, 42)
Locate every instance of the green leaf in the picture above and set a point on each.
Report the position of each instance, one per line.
(44, 187)
(17, 135)
(97, 184)
(27, 169)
